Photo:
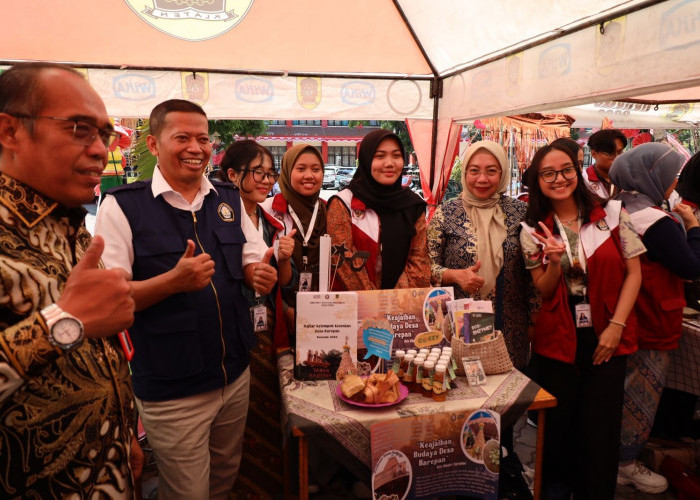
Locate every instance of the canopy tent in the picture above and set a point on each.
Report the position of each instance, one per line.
(453, 60)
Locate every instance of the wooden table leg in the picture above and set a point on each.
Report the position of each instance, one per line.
(303, 468)
(539, 451)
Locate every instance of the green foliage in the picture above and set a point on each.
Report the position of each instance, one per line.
(229, 129)
(142, 158)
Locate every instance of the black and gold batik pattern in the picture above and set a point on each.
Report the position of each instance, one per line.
(66, 420)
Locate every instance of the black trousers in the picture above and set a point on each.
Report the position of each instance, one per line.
(582, 434)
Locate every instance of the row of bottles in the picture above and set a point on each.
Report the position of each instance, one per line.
(426, 372)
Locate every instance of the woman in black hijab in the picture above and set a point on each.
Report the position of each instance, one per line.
(378, 227)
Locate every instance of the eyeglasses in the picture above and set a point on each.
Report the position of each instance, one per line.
(83, 132)
(259, 175)
(550, 176)
(489, 172)
(611, 155)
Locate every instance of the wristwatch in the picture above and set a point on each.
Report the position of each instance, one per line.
(65, 330)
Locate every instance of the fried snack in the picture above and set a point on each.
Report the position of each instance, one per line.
(381, 388)
(352, 385)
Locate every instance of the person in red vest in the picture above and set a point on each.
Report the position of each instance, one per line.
(646, 176)
(583, 256)
(381, 220)
(605, 146)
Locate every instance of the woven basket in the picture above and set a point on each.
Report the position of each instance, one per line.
(493, 354)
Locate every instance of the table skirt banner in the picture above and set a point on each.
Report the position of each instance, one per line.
(426, 456)
(684, 370)
(342, 428)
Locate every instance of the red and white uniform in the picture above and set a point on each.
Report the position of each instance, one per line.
(365, 233)
(595, 184)
(555, 330)
(661, 298)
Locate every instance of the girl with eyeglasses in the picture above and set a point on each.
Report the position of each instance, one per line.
(250, 167)
(583, 256)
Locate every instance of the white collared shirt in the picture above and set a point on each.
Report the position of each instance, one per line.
(113, 226)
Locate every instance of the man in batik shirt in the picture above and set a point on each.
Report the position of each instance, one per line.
(66, 408)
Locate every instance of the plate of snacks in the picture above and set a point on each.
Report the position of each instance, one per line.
(377, 390)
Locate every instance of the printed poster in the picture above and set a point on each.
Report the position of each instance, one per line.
(427, 456)
(415, 316)
(326, 335)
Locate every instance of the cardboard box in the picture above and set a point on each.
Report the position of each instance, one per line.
(657, 449)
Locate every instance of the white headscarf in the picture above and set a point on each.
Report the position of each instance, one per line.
(487, 216)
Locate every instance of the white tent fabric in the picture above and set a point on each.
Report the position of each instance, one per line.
(366, 58)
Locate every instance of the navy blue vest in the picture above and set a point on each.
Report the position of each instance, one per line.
(191, 342)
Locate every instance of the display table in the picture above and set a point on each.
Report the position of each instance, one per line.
(313, 411)
(684, 370)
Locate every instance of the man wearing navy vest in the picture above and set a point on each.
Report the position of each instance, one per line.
(189, 247)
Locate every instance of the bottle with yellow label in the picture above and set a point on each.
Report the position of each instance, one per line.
(440, 383)
(427, 379)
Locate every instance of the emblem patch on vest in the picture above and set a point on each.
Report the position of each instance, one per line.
(602, 225)
(358, 214)
(225, 212)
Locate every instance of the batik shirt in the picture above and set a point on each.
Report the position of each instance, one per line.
(452, 244)
(66, 419)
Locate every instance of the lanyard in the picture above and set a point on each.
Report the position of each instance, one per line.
(581, 255)
(305, 235)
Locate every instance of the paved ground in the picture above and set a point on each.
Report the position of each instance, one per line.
(524, 436)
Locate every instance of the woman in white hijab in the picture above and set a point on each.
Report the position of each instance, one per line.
(474, 245)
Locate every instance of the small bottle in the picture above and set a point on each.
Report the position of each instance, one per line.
(440, 383)
(435, 350)
(409, 374)
(424, 351)
(427, 381)
(418, 370)
(412, 351)
(398, 358)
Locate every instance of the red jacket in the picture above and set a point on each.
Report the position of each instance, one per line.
(555, 330)
(661, 299)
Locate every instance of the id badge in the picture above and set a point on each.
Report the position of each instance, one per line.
(305, 282)
(583, 315)
(259, 314)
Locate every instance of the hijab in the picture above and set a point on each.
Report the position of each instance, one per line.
(303, 206)
(487, 216)
(644, 174)
(398, 208)
(689, 181)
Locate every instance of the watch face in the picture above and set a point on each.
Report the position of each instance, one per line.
(66, 331)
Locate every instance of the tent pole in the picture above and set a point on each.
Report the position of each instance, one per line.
(436, 94)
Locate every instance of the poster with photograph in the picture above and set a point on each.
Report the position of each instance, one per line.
(428, 456)
(326, 345)
(415, 315)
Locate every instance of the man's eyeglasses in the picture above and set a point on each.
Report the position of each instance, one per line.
(611, 155)
(83, 132)
(550, 176)
(259, 175)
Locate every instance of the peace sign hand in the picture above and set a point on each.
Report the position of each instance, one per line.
(553, 246)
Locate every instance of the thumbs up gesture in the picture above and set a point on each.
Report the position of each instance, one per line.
(467, 279)
(101, 298)
(192, 272)
(261, 275)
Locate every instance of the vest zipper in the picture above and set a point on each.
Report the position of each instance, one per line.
(218, 305)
